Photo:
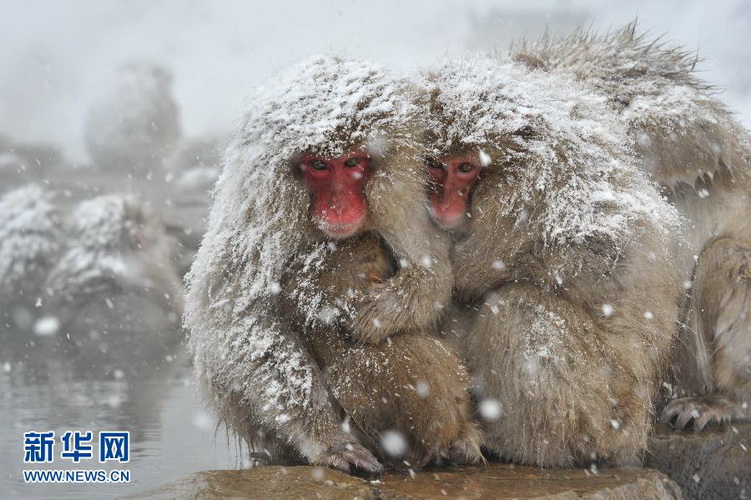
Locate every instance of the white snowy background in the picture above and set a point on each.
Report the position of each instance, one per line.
(57, 56)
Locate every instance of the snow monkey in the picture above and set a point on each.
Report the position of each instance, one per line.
(114, 290)
(562, 261)
(325, 153)
(701, 156)
(414, 385)
(30, 241)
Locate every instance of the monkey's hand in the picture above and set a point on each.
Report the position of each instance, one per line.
(466, 449)
(476, 270)
(414, 299)
(347, 455)
(702, 410)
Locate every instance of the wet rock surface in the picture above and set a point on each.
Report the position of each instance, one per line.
(715, 463)
(492, 481)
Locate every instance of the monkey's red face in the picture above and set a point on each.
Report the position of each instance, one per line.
(338, 187)
(453, 178)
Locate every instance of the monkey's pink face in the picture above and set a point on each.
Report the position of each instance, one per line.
(453, 178)
(338, 187)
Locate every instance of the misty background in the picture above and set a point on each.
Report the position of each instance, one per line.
(58, 57)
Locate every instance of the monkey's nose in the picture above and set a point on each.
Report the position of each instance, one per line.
(337, 206)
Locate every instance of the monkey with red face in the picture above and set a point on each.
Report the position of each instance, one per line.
(562, 261)
(320, 234)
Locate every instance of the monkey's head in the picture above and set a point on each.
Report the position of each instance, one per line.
(452, 178)
(524, 151)
(322, 153)
(342, 125)
(115, 222)
(30, 241)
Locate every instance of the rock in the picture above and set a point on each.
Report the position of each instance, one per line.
(492, 481)
(266, 482)
(714, 463)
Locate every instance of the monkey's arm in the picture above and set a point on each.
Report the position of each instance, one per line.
(498, 249)
(478, 267)
(722, 340)
(265, 382)
(414, 299)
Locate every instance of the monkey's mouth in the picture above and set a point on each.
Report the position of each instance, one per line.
(341, 229)
(447, 215)
(340, 216)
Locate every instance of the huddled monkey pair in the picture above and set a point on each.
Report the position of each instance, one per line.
(369, 233)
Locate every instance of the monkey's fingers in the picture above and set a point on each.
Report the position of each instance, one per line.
(702, 410)
(679, 413)
(466, 452)
(685, 417)
(374, 277)
(345, 456)
(364, 460)
(701, 422)
(372, 324)
(669, 413)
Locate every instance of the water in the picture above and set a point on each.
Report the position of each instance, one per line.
(44, 388)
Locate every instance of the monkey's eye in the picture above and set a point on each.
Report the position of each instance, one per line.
(352, 162)
(318, 165)
(465, 167)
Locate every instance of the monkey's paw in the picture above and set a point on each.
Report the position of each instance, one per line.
(466, 450)
(697, 412)
(346, 456)
(377, 318)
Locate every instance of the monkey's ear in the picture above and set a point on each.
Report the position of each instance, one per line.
(294, 163)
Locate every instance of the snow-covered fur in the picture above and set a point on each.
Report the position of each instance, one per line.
(115, 285)
(682, 130)
(567, 263)
(700, 153)
(30, 240)
(260, 377)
